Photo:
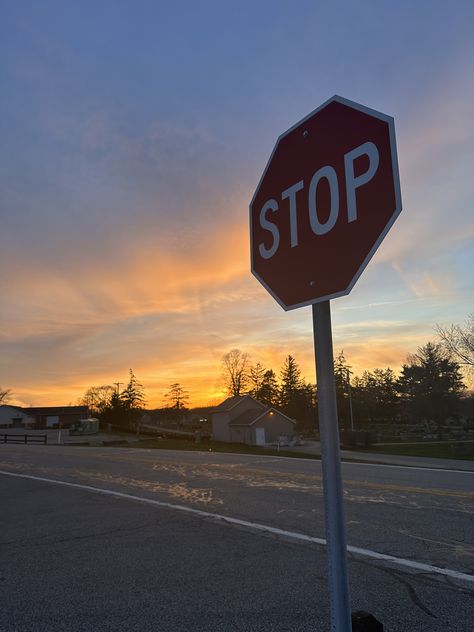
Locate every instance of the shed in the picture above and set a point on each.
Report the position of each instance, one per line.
(246, 420)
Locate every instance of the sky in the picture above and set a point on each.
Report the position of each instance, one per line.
(133, 137)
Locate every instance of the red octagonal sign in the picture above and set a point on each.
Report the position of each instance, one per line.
(328, 196)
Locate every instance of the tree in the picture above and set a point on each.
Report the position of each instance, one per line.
(375, 396)
(256, 376)
(133, 394)
(458, 341)
(342, 373)
(430, 385)
(4, 395)
(269, 391)
(307, 414)
(116, 413)
(97, 398)
(235, 366)
(291, 383)
(296, 397)
(133, 399)
(177, 398)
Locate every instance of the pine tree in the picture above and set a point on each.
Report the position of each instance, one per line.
(133, 399)
(293, 394)
(256, 378)
(291, 383)
(375, 396)
(115, 413)
(177, 399)
(269, 391)
(342, 373)
(430, 386)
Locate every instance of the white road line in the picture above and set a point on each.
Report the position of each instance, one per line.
(355, 550)
(408, 467)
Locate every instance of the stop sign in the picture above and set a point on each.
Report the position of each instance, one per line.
(328, 196)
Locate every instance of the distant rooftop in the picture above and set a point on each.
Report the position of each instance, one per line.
(246, 418)
(231, 402)
(43, 410)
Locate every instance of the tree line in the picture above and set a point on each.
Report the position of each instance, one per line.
(429, 388)
(125, 408)
(117, 408)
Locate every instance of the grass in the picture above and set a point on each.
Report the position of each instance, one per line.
(434, 450)
(215, 446)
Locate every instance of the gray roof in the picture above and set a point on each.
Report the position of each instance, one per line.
(249, 417)
(246, 418)
(231, 402)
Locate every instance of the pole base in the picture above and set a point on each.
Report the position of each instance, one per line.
(365, 622)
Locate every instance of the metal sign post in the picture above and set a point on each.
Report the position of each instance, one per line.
(341, 159)
(331, 464)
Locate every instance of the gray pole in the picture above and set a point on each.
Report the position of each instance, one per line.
(331, 464)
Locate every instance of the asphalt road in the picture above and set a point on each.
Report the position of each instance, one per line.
(72, 559)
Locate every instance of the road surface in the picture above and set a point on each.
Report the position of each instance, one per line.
(224, 542)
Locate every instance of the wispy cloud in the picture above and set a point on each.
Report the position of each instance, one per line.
(128, 163)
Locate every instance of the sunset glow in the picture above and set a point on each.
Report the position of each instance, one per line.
(133, 137)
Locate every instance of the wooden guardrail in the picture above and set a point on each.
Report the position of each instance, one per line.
(19, 438)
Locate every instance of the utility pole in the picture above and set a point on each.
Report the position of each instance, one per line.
(350, 398)
(117, 384)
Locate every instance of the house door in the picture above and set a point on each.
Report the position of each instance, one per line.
(259, 436)
(51, 421)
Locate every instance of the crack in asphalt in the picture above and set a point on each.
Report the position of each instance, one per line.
(415, 598)
(86, 536)
(413, 595)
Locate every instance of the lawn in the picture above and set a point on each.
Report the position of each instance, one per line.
(216, 446)
(435, 450)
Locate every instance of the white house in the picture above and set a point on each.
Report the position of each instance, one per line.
(243, 419)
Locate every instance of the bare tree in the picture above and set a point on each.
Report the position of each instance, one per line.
(97, 398)
(458, 341)
(4, 395)
(235, 366)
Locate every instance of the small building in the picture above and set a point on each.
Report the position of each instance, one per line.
(40, 417)
(244, 419)
(56, 416)
(14, 417)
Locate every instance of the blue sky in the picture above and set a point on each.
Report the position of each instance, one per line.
(133, 137)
